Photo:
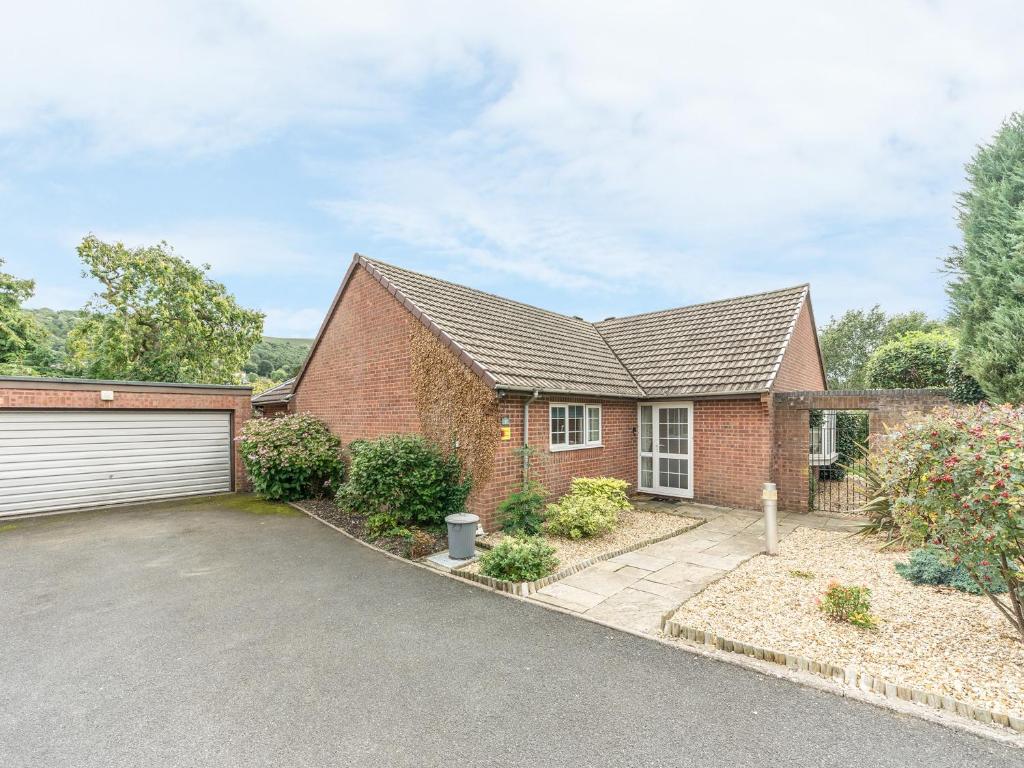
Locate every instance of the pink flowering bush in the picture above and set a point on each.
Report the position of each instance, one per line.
(955, 478)
(291, 457)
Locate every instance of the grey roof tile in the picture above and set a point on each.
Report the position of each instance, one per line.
(278, 394)
(733, 345)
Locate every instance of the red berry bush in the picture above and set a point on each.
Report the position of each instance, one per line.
(955, 478)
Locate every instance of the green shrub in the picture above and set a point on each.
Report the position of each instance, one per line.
(931, 565)
(523, 511)
(915, 360)
(382, 525)
(608, 488)
(579, 517)
(956, 478)
(291, 457)
(963, 388)
(519, 558)
(851, 604)
(402, 480)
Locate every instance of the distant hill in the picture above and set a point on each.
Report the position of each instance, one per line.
(273, 358)
(278, 358)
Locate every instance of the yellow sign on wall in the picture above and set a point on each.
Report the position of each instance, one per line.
(506, 433)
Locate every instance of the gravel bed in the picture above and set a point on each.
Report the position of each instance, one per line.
(932, 638)
(429, 541)
(635, 526)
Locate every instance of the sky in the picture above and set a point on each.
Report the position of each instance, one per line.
(592, 158)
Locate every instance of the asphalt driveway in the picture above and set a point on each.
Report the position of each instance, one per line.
(205, 635)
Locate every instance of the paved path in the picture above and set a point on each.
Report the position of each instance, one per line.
(635, 590)
(201, 636)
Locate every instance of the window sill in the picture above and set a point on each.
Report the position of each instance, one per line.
(561, 448)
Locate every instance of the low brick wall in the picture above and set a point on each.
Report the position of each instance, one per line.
(66, 394)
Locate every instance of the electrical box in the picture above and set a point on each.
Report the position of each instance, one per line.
(506, 433)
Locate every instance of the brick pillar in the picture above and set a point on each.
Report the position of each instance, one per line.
(792, 445)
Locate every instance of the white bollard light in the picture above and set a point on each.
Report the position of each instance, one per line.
(770, 500)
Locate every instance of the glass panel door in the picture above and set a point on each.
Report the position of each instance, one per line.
(664, 444)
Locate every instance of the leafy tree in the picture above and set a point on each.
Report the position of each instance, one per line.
(277, 358)
(914, 360)
(51, 355)
(158, 318)
(963, 388)
(20, 336)
(848, 341)
(987, 287)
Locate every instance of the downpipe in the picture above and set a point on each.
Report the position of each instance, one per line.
(526, 438)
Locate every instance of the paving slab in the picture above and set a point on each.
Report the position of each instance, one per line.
(737, 545)
(600, 582)
(634, 590)
(686, 573)
(640, 560)
(639, 573)
(720, 562)
(633, 609)
(727, 524)
(678, 592)
(568, 597)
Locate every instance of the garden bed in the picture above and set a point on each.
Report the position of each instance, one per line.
(429, 541)
(932, 640)
(637, 528)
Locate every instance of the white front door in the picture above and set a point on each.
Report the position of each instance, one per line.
(665, 444)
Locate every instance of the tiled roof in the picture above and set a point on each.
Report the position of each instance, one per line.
(279, 394)
(733, 346)
(520, 346)
(728, 346)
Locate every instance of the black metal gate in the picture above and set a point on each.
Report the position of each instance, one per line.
(837, 461)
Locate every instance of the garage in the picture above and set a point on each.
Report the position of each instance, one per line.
(137, 442)
(54, 460)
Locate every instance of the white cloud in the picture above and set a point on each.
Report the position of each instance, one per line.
(704, 149)
(231, 247)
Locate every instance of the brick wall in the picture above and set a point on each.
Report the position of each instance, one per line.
(555, 469)
(358, 379)
(801, 364)
(731, 451)
(272, 410)
(886, 408)
(50, 394)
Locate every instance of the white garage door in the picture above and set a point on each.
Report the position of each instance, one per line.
(54, 460)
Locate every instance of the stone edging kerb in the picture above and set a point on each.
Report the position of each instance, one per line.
(526, 588)
(849, 676)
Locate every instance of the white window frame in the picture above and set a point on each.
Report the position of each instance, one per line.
(587, 442)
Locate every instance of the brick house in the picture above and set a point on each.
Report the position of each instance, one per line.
(273, 401)
(677, 402)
